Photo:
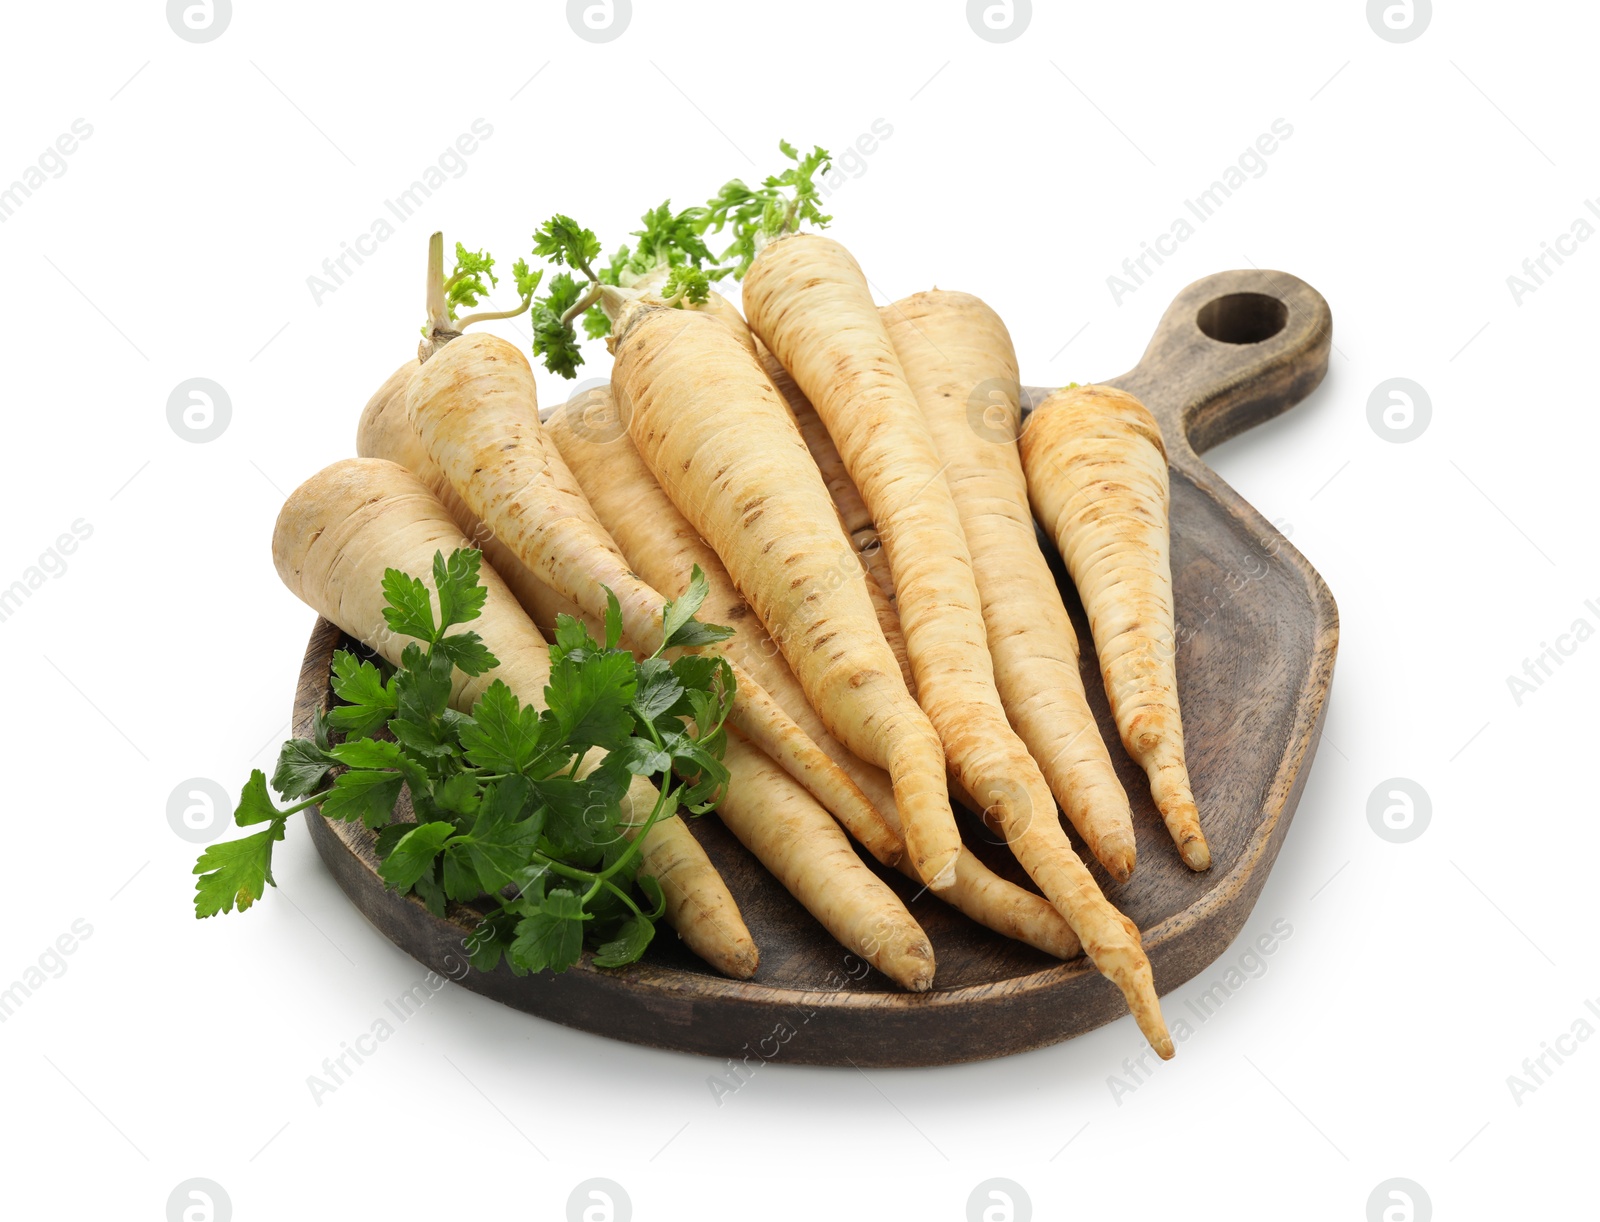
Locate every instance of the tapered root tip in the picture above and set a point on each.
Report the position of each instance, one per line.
(913, 968)
(1118, 854)
(1196, 853)
(1147, 1013)
(742, 964)
(1182, 818)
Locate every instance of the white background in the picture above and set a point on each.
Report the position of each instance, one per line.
(177, 243)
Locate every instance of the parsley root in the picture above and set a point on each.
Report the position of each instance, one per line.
(1097, 476)
(952, 345)
(665, 550)
(723, 446)
(473, 406)
(335, 537)
(853, 515)
(809, 303)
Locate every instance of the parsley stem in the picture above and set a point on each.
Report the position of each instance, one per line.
(561, 868)
(590, 296)
(491, 315)
(633, 847)
(626, 899)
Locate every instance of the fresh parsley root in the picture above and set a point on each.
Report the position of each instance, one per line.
(951, 346)
(809, 303)
(505, 807)
(778, 825)
(474, 406)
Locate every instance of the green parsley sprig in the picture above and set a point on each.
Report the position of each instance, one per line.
(670, 258)
(517, 809)
(783, 202)
(466, 284)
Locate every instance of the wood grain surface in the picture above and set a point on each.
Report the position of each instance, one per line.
(1258, 632)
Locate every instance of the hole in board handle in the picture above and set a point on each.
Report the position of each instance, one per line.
(1242, 318)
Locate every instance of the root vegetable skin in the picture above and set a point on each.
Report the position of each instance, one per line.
(473, 407)
(723, 446)
(385, 432)
(804, 849)
(664, 549)
(951, 346)
(336, 535)
(853, 514)
(1097, 476)
(770, 814)
(809, 303)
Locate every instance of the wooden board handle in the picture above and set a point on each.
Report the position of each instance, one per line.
(1232, 350)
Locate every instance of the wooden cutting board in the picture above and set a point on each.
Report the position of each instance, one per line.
(1258, 630)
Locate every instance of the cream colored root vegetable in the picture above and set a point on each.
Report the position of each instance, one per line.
(853, 514)
(474, 409)
(809, 303)
(804, 849)
(385, 432)
(722, 444)
(960, 364)
(1097, 474)
(763, 806)
(336, 535)
(664, 549)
